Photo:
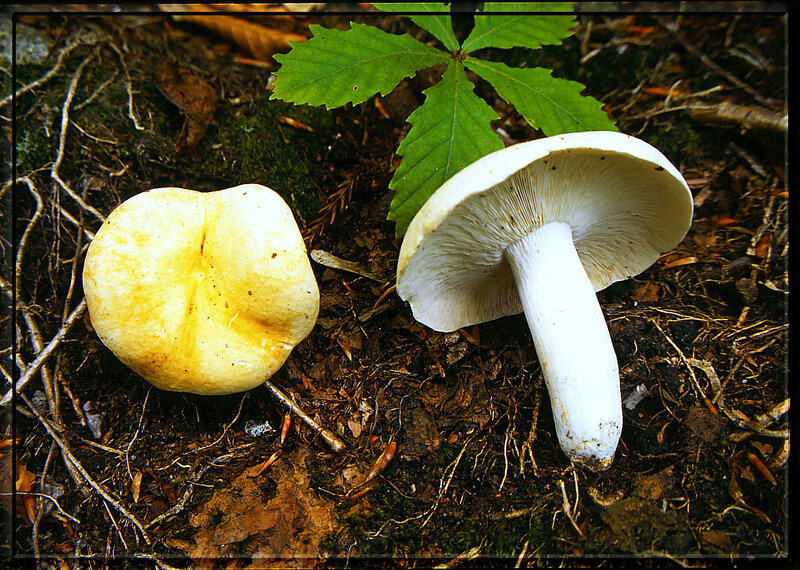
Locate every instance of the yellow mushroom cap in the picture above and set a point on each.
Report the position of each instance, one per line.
(201, 292)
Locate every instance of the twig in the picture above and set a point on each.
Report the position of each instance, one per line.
(47, 76)
(711, 65)
(739, 419)
(55, 502)
(131, 114)
(62, 142)
(330, 260)
(453, 466)
(23, 241)
(187, 493)
(227, 427)
(38, 344)
(116, 526)
(80, 469)
(326, 434)
(136, 434)
(746, 117)
(695, 383)
(568, 508)
(505, 459)
(44, 353)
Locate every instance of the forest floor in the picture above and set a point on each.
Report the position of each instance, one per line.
(147, 477)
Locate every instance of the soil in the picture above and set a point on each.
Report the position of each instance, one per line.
(146, 477)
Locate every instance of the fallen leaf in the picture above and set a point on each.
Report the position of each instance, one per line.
(680, 262)
(136, 485)
(718, 540)
(285, 523)
(736, 494)
(195, 98)
(762, 247)
(355, 428)
(704, 424)
(647, 293)
(24, 485)
(655, 486)
(262, 42)
(6, 491)
(169, 493)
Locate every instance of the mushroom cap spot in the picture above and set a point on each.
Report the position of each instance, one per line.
(624, 201)
(183, 287)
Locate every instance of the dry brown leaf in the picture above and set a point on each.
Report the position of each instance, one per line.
(704, 424)
(647, 293)
(195, 98)
(260, 41)
(24, 485)
(680, 262)
(762, 247)
(736, 494)
(6, 493)
(287, 523)
(718, 540)
(136, 485)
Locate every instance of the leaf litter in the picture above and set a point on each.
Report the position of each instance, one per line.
(273, 516)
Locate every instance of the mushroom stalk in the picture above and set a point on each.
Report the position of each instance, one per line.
(572, 341)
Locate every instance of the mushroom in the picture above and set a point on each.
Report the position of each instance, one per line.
(201, 292)
(540, 227)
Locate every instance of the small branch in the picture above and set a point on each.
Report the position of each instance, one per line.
(40, 359)
(181, 504)
(453, 466)
(568, 508)
(23, 241)
(326, 434)
(80, 469)
(136, 434)
(131, 114)
(746, 116)
(711, 65)
(62, 142)
(47, 76)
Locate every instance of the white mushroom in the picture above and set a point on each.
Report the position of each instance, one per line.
(540, 227)
(201, 292)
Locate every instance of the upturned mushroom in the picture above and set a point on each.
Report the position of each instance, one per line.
(201, 292)
(540, 227)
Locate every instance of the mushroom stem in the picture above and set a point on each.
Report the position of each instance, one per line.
(572, 341)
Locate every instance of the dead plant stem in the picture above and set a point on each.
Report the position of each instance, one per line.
(326, 434)
(80, 469)
(54, 174)
(44, 353)
(47, 76)
(443, 489)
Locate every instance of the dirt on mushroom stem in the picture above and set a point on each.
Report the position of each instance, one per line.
(460, 405)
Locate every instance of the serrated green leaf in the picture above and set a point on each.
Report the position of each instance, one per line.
(522, 28)
(438, 23)
(548, 103)
(449, 131)
(349, 66)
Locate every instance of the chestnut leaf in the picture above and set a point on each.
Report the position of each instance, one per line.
(449, 131)
(336, 67)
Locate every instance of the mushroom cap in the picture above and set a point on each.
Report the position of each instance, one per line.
(625, 202)
(201, 292)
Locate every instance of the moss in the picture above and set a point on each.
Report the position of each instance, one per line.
(679, 138)
(241, 145)
(252, 146)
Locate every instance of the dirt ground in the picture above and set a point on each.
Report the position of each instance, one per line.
(108, 470)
